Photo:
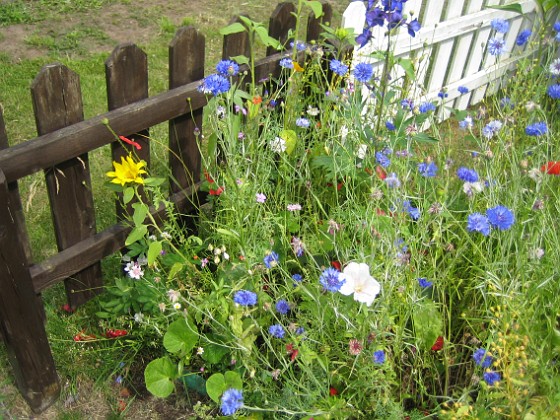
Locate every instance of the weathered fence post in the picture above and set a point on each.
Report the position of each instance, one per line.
(236, 44)
(314, 28)
(20, 314)
(126, 71)
(57, 102)
(281, 21)
(186, 65)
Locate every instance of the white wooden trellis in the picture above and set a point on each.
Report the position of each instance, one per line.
(450, 48)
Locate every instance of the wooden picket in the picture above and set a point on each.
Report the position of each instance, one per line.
(61, 151)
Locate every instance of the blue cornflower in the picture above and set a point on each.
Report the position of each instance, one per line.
(467, 175)
(491, 377)
(390, 125)
(429, 170)
(496, 46)
(426, 107)
(407, 103)
(467, 123)
(523, 37)
(330, 280)
(442, 94)
(556, 26)
(338, 67)
(392, 180)
(232, 400)
(463, 89)
(506, 102)
(413, 212)
(423, 282)
(300, 46)
(287, 63)
(478, 223)
(491, 128)
(303, 122)
(300, 330)
(245, 298)
(554, 91)
(383, 160)
(500, 217)
(214, 84)
(500, 25)
(536, 129)
(482, 358)
(277, 331)
(227, 68)
(297, 277)
(363, 72)
(271, 260)
(379, 357)
(282, 307)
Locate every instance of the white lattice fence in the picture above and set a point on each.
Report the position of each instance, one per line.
(450, 50)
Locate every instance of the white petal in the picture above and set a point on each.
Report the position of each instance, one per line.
(348, 287)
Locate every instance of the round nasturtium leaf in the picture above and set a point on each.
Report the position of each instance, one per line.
(159, 376)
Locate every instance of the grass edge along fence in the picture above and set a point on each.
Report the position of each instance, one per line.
(61, 151)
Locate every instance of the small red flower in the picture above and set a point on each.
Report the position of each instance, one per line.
(291, 351)
(336, 264)
(551, 168)
(217, 191)
(438, 345)
(131, 142)
(381, 173)
(257, 100)
(81, 336)
(208, 178)
(115, 333)
(333, 391)
(67, 308)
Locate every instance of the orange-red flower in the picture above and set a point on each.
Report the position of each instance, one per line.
(551, 168)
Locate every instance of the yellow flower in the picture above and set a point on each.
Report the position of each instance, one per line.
(127, 171)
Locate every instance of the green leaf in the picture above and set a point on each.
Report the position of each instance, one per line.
(234, 28)
(136, 234)
(240, 59)
(195, 382)
(290, 137)
(181, 337)
(233, 380)
(317, 8)
(214, 353)
(140, 212)
(408, 67)
(424, 138)
(154, 251)
(514, 7)
(212, 147)
(175, 269)
(154, 181)
(428, 325)
(215, 386)
(267, 40)
(128, 194)
(159, 376)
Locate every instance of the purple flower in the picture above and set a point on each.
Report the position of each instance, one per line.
(554, 91)
(467, 175)
(478, 223)
(496, 46)
(287, 63)
(363, 72)
(426, 107)
(282, 307)
(500, 217)
(271, 260)
(260, 197)
(423, 282)
(413, 212)
(392, 180)
(303, 122)
(442, 94)
(297, 246)
(482, 358)
(413, 27)
(491, 377)
(277, 331)
(383, 160)
(379, 357)
(462, 90)
(227, 68)
(214, 84)
(390, 126)
(407, 103)
(523, 37)
(500, 25)
(232, 400)
(245, 298)
(297, 277)
(536, 129)
(330, 280)
(428, 170)
(338, 67)
(491, 128)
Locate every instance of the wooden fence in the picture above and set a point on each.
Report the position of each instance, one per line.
(61, 151)
(450, 50)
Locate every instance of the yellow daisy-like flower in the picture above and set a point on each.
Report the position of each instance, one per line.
(128, 171)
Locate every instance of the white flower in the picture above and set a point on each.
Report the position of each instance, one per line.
(173, 295)
(471, 188)
(359, 282)
(138, 317)
(555, 67)
(278, 145)
(362, 150)
(312, 111)
(535, 174)
(199, 351)
(177, 306)
(134, 270)
(343, 133)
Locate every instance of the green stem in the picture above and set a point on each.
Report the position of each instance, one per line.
(384, 83)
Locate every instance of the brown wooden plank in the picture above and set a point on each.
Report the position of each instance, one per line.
(20, 320)
(13, 189)
(314, 28)
(186, 64)
(281, 21)
(103, 244)
(57, 102)
(236, 44)
(47, 150)
(126, 72)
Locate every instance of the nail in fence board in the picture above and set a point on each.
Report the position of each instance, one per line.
(57, 103)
